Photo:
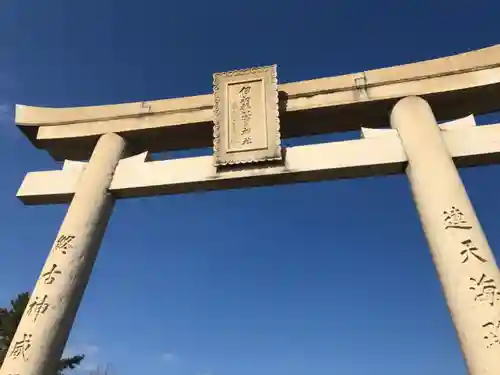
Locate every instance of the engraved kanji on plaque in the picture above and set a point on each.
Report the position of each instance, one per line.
(246, 118)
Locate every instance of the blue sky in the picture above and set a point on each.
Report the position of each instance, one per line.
(320, 278)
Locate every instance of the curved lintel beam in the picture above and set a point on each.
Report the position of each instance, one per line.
(455, 86)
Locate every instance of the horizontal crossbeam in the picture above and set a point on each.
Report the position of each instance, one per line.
(455, 86)
(379, 153)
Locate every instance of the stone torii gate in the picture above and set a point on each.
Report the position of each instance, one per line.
(105, 151)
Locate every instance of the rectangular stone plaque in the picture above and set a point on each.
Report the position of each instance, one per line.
(246, 119)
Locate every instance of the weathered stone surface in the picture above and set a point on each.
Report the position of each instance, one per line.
(247, 130)
(379, 153)
(464, 261)
(452, 85)
(246, 118)
(46, 323)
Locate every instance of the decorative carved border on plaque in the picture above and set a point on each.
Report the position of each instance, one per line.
(216, 111)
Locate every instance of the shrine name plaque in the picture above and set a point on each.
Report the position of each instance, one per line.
(246, 117)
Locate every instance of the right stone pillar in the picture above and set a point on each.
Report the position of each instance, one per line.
(465, 263)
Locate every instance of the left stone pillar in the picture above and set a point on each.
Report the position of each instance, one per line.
(43, 331)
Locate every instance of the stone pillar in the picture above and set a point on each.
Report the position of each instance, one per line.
(45, 326)
(465, 263)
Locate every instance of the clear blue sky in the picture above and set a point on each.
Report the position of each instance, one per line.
(321, 278)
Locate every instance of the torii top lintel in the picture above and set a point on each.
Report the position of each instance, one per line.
(455, 86)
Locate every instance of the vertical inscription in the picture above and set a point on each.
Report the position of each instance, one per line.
(245, 108)
(39, 305)
(484, 288)
(247, 129)
(246, 116)
(455, 219)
